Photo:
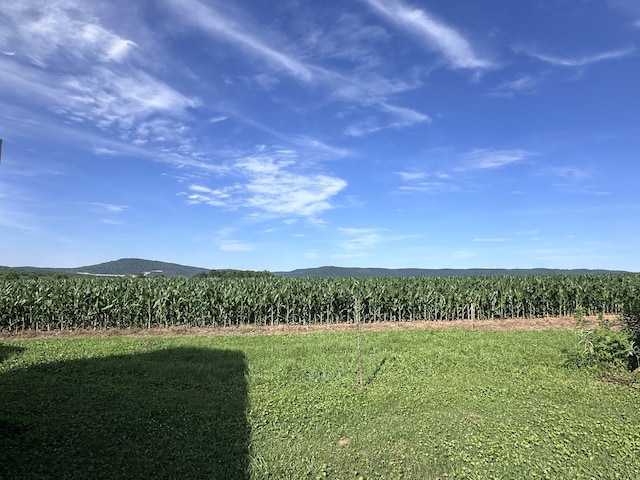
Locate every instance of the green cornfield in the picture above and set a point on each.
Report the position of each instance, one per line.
(99, 303)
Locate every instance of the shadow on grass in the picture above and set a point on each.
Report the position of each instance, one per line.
(373, 376)
(8, 350)
(174, 413)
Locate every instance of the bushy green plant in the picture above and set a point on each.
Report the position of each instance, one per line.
(631, 319)
(604, 347)
(610, 347)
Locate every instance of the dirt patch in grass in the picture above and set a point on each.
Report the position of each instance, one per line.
(545, 323)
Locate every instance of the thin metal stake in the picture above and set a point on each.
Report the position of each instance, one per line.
(357, 313)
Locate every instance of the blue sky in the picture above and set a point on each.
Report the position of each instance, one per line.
(265, 134)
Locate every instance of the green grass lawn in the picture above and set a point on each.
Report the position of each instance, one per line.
(436, 404)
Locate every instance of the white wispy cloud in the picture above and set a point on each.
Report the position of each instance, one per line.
(524, 84)
(347, 38)
(104, 151)
(110, 207)
(360, 238)
(67, 62)
(351, 42)
(357, 241)
(453, 174)
(274, 183)
(429, 187)
(481, 159)
(17, 204)
(402, 118)
(571, 173)
(368, 87)
(220, 26)
(365, 88)
(412, 176)
(44, 32)
(315, 146)
(215, 197)
(218, 119)
(433, 32)
(272, 187)
(583, 60)
(428, 182)
(406, 115)
(110, 221)
(25, 82)
(576, 180)
(108, 98)
(16, 208)
(16, 219)
(112, 212)
(320, 147)
(236, 246)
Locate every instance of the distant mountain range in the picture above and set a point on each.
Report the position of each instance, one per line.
(122, 267)
(428, 272)
(138, 266)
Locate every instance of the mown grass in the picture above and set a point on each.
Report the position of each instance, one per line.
(436, 404)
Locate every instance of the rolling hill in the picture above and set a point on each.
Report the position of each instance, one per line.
(425, 272)
(123, 266)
